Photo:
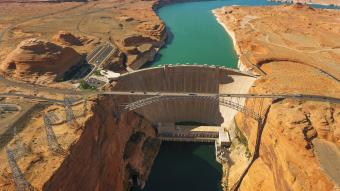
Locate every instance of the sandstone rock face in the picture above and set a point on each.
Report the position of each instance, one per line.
(117, 62)
(287, 152)
(144, 53)
(141, 49)
(110, 150)
(289, 54)
(34, 60)
(149, 31)
(300, 6)
(136, 40)
(67, 38)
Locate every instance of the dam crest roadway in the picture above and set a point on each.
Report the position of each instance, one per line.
(175, 93)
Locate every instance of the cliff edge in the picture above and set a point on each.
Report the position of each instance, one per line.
(293, 49)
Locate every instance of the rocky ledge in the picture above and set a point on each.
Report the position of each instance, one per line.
(39, 61)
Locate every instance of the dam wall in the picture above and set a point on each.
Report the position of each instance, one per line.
(177, 78)
(181, 78)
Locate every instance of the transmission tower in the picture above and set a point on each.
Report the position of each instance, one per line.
(21, 183)
(85, 107)
(20, 149)
(69, 113)
(52, 141)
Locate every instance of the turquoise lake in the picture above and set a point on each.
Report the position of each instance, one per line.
(194, 37)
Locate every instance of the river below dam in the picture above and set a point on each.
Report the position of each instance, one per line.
(195, 37)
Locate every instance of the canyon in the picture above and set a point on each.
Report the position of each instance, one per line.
(106, 150)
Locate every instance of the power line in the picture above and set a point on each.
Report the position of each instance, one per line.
(70, 118)
(21, 183)
(52, 141)
(20, 149)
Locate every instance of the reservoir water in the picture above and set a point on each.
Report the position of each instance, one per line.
(195, 37)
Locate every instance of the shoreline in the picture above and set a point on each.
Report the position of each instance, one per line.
(241, 66)
(228, 30)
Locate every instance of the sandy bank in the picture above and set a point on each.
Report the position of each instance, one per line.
(241, 66)
(228, 30)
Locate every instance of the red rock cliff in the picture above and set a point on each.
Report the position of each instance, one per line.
(108, 153)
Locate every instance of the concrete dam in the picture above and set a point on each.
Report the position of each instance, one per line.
(189, 79)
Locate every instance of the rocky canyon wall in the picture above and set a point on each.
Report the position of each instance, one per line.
(289, 54)
(111, 150)
(288, 159)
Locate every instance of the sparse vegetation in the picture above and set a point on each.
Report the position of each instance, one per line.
(85, 86)
(97, 73)
(242, 139)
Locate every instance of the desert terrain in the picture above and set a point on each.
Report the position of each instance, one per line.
(40, 40)
(132, 26)
(294, 49)
(320, 2)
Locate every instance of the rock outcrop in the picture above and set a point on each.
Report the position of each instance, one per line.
(141, 49)
(141, 44)
(67, 38)
(142, 54)
(117, 62)
(39, 61)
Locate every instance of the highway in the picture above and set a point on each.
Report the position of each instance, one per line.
(36, 87)
(39, 98)
(180, 95)
(275, 96)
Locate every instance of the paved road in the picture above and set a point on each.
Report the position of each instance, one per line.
(98, 57)
(31, 97)
(276, 96)
(180, 95)
(35, 87)
(99, 54)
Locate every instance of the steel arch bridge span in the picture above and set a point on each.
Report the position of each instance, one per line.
(236, 104)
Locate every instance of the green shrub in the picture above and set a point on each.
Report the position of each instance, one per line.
(97, 73)
(85, 86)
